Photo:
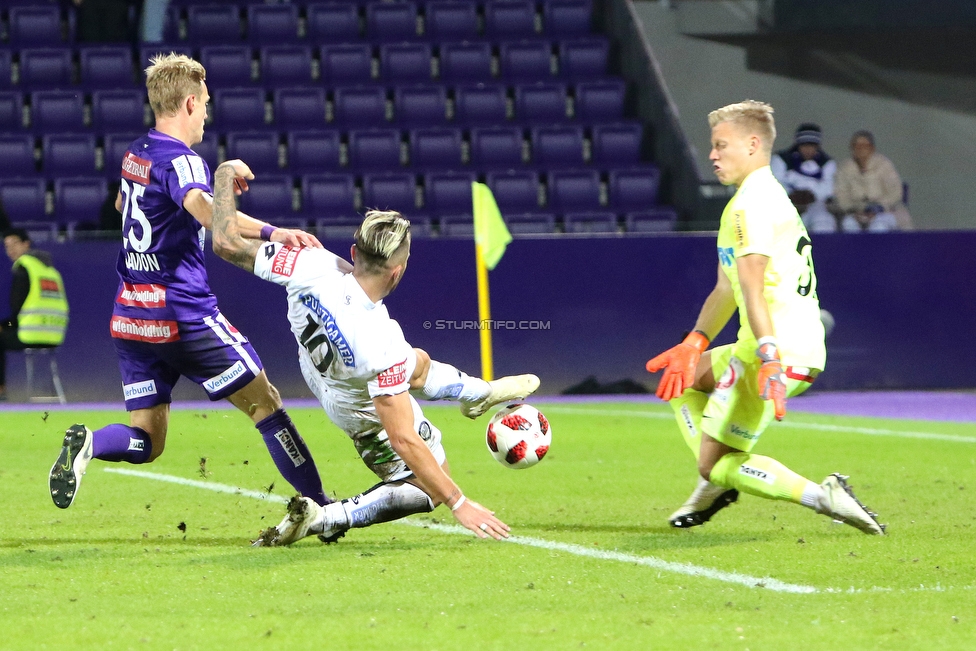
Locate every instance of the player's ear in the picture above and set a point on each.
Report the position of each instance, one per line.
(352, 252)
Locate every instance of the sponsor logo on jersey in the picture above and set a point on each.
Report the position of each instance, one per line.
(761, 475)
(284, 263)
(726, 256)
(331, 329)
(142, 295)
(149, 330)
(739, 228)
(689, 422)
(197, 169)
(290, 447)
(183, 172)
(136, 444)
(141, 261)
(391, 377)
(139, 389)
(218, 382)
(135, 168)
(741, 432)
(424, 430)
(728, 378)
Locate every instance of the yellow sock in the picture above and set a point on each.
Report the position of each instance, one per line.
(762, 476)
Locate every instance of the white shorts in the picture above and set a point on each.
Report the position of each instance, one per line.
(363, 426)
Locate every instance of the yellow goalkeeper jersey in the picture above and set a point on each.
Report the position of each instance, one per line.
(761, 219)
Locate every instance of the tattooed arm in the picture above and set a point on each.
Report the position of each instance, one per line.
(227, 240)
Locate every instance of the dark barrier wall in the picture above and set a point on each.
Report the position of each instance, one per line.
(903, 305)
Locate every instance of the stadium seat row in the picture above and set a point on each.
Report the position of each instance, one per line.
(333, 198)
(610, 146)
(310, 108)
(293, 65)
(331, 21)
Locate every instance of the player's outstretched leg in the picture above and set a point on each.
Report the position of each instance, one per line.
(445, 382)
(706, 500)
(840, 503)
(291, 455)
(504, 389)
(381, 503)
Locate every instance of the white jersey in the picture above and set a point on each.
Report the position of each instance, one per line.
(354, 346)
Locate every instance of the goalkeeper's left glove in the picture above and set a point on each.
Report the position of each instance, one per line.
(679, 363)
(772, 378)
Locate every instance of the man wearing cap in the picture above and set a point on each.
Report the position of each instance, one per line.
(807, 173)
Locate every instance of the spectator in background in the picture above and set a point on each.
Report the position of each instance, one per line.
(38, 305)
(153, 21)
(103, 21)
(868, 190)
(4, 220)
(807, 173)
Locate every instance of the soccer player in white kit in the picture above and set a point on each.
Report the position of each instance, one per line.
(355, 359)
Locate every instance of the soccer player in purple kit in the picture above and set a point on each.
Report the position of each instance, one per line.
(165, 322)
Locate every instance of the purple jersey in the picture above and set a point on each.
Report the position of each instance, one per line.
(163, 277)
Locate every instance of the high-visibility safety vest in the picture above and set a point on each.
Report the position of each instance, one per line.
(43, 318)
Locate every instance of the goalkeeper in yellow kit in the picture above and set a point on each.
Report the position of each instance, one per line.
(724, 398)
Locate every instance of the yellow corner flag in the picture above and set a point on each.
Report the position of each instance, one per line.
(491, 236)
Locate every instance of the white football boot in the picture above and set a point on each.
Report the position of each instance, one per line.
(303, 514)
(504, 389)
(706, 500)
(843, 506)
(67, 471)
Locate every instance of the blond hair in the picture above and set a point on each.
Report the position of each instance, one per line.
(752, 116)
(381, 237)
(170, 79)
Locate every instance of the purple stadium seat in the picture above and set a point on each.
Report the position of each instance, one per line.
(228, 65)
(515, 192)
(654, 220)
(452, 19)
(557, 147)
(403, 63)
(106, 67)
(35, 26)
(510, 19)
(116, 110)
(448, 194)
(332, 22)
(286, 65)
(577, 191)
(374, 149)
(617, 145)
(238, 109)
(271, 24)
(11, 111)
(591, 222)
(420, 105)
(312, 152)
(634, 190)
(395, 21)
(57, 110)
(526, 61)
(531, 224)
(484, 104)
(465, 62)
(346, 64)
(600, 101)
(68, 155)
(269, 198)
(258, 149)
(329, 196)
(147, 52)
(359, 106)
(435, 149)
(496, 147)
(16, 156)
(79, 200)
(6, 69)
(114, 148)
(299, 108)
(208, 150)
(390, 192)
(213, 24)
(23, 199)
(540, 103)
(584, 58)
(567, 17)
(45, 68)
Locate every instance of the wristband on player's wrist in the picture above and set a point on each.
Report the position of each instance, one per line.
(768, 354)
(461, 500)
(697, 339)
(266, 232)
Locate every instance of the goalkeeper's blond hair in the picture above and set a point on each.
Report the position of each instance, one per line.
(384, 236)
(170, 79)
(751, 116)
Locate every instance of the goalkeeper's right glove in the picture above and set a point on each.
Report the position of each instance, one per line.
(679, 364)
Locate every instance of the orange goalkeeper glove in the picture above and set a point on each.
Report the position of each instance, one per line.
(772, 378)
(679, 365)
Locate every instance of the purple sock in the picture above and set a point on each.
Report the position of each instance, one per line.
(292, 456)
(120, 442)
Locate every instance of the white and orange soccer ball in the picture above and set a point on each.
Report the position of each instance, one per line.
(518, 436)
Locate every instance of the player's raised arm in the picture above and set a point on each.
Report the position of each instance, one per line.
(227, 240)
(396, 415)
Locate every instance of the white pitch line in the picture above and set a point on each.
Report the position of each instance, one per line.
(869, 431)
(577, 550)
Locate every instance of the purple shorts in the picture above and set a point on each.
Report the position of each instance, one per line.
(210, 352)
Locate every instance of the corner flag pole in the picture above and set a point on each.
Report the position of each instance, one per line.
(491, 236)
(484, 315)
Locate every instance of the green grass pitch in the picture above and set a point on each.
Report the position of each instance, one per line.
(137, 563)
